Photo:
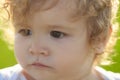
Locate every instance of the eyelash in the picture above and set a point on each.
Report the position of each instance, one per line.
(25, 32)
(57, 34)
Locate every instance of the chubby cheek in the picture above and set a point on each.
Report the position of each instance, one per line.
(20, 49)
(70, 57)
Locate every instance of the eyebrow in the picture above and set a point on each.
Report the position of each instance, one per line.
(61, 27)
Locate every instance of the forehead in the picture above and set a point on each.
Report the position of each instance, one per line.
(64, 6)
(57, 17)
(67, 5)
(60, 14)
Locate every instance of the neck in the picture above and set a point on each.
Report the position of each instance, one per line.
(90, 77)
(93, 75)
(87, 76)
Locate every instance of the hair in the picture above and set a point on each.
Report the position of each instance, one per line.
(99, 13)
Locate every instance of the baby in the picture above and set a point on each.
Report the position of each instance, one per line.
(59, 39)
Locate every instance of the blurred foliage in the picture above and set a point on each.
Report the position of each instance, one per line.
(115, 66)
(6, 52)
(6, 42)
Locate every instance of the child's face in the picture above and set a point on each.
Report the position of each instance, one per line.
(52, 39)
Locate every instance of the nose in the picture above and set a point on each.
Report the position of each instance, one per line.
(38, 50)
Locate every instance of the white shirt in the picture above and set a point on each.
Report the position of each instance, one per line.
(14, 73)
(108, 75)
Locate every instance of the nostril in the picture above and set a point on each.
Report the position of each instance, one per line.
(31, 51)
(43, 52)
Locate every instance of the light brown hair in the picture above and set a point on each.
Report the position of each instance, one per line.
(99, 13)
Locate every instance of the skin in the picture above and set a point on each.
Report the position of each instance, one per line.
(69, 56)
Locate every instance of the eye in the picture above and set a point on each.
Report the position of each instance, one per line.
(57, 34)
(25, 32)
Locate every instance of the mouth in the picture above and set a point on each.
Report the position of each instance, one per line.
(40, 65)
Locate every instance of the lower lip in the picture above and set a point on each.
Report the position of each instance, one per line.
(37, 65)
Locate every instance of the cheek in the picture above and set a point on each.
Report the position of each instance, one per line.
(72, 60)
(21, 49)
(21, 43)
(70, 55)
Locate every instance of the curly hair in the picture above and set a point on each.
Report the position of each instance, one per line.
(98, 12)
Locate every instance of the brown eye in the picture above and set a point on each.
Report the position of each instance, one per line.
(25, 32)
(57, 34)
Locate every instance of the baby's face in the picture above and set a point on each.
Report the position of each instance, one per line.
(53, 47)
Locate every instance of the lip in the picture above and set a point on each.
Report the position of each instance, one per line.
(40, 65)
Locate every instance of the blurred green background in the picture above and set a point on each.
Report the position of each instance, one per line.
(7, 54)
(115, 56)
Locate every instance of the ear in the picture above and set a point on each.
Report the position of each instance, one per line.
(100, 42)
